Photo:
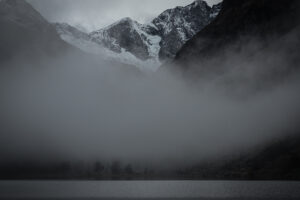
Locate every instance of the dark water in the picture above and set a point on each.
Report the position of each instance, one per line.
(152, 190)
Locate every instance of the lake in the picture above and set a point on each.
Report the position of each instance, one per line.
(181, 190)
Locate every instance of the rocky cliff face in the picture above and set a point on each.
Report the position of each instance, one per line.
(159, 40)
(129, 35)
(176, 26)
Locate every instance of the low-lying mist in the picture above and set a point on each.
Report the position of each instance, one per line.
(73, 108)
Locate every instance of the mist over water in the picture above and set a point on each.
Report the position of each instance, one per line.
(72, 108)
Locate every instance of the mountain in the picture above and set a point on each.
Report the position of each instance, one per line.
(176, 26)
(261, 34)
(25, 35)
(163, 37)
(24, 30)
(131, 36)
(87, 43)
(144, 45)
(78, 38)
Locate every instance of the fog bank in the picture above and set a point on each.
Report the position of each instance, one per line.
(83, 109)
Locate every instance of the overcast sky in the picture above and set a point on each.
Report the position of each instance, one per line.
(95, 14)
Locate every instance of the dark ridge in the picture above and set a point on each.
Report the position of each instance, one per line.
(263, 19)
(24, 31)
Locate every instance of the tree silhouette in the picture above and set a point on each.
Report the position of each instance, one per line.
(116, 168)
(129, 170)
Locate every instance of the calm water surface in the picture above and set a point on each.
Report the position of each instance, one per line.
(85, 190)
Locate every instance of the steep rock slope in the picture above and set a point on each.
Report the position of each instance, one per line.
(178, 25)
(131, 36)
(23, 29)
(261, 33)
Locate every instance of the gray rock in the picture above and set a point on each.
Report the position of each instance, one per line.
(169, 31)
(178, 25)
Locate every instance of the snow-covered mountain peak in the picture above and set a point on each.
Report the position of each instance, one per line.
(129, 35)
(178, 25)
(154, 42)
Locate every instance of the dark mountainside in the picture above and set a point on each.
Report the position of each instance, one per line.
(264, 34)
(260, 32)
(24, 31)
